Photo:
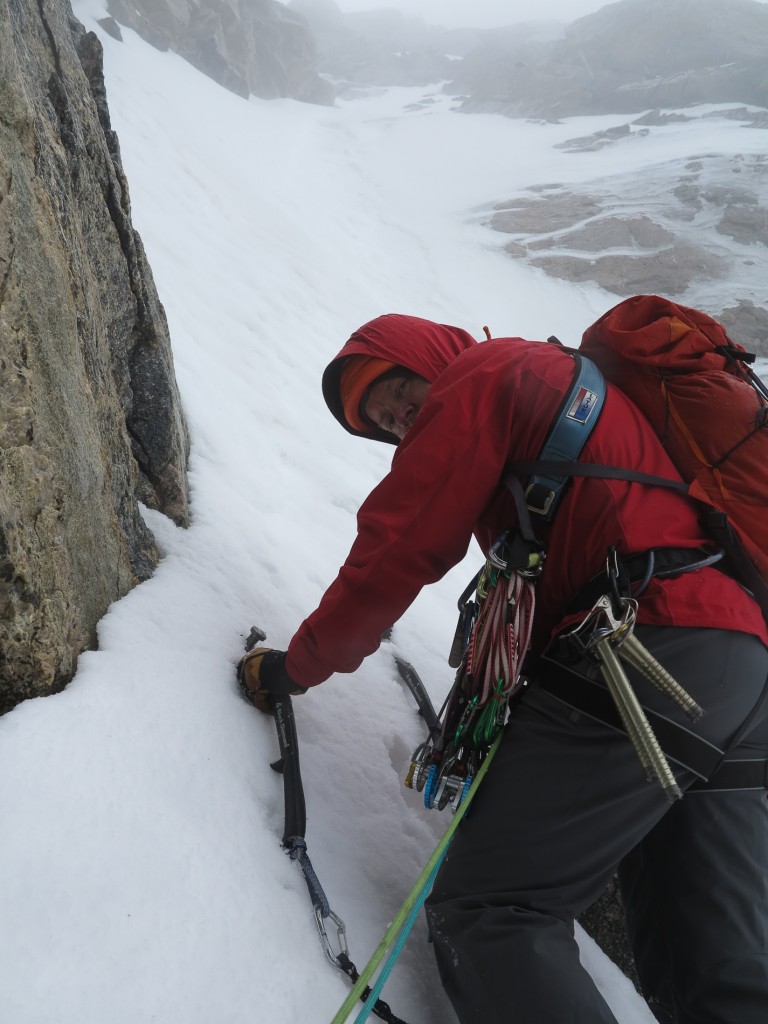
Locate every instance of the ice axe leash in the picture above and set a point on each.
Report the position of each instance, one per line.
(294, 844)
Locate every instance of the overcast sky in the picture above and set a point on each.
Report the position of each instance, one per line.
(483, 13)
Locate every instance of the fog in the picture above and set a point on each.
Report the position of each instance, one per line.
(482, 13)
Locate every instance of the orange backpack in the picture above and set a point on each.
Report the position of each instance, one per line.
(708, 408)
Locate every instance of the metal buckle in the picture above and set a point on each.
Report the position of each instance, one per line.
(544, 507)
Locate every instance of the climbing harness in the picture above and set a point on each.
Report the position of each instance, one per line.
(600, 645)
(605, 636)
(294, 844)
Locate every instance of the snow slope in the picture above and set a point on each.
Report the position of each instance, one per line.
(141, 876)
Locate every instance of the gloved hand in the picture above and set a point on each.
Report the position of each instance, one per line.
(261, 674)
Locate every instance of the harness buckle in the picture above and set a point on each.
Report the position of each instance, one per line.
(539, 499)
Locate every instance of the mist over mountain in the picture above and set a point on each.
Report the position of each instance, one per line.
(624, 58)
(387, 47)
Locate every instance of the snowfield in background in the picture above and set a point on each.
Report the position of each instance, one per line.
(141, 873)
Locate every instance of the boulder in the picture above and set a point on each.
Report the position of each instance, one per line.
(90, 418)
(747, 325)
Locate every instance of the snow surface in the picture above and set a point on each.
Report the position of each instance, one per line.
(141, 874)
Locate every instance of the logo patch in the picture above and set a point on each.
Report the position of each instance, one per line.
(583, 405)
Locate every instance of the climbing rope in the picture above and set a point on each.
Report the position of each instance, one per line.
(398, 931)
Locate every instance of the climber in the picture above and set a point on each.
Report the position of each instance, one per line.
(566, 803)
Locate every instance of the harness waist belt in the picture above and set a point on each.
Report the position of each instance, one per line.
(679, 743)
(667, 562)
(736, 775)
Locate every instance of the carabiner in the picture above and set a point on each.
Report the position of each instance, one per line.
(341, 934)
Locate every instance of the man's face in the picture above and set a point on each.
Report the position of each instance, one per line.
(394, 402)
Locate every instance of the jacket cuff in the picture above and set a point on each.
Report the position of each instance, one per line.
(274, 676)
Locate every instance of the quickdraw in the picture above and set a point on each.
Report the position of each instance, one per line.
(492, 638)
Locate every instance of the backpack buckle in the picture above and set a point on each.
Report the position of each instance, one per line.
(539, 498)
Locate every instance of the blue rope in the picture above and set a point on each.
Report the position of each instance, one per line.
(397, 948)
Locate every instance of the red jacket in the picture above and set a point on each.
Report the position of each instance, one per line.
(491, 404)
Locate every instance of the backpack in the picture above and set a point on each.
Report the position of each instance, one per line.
(708, 408)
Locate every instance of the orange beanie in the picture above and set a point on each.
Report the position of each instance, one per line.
(356, 377)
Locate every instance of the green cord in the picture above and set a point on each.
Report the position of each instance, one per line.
(411, 899)
(491, 717)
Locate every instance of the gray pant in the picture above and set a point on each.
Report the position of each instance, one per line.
(566, 803)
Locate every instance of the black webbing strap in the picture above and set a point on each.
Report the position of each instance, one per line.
(747, 774)
(679, 743)
(592, 469)
(736, 775)
(744, 569)
(593, 699)
(380, 1009)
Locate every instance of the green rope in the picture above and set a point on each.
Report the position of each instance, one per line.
(413, 896)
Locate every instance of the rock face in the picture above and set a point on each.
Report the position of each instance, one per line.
(90, 419)
(375, 48)
(626, 57)
(254, 47)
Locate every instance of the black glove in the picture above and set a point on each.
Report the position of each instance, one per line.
(261, 674)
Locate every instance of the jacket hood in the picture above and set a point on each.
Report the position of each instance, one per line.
(420, 345)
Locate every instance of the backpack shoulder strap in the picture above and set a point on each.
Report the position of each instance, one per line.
(572, 425)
